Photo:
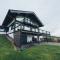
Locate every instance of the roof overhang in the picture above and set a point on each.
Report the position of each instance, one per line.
(13, 13)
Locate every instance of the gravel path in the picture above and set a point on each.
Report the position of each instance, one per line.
(50, 43)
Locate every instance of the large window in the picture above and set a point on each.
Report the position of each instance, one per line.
(28, 20)
(27, 28)
(19, 18)
(1, 30)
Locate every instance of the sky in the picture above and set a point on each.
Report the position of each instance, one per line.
(48, 11)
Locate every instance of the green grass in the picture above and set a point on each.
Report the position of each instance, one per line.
(41, 52)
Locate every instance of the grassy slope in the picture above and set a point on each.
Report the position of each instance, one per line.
(42, 52)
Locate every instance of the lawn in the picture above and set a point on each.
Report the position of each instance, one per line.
(39, 52)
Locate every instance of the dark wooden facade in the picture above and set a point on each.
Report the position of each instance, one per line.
(18, 21)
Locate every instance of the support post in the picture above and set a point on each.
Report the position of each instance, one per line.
(38, 35)
(23, 24)
(30, 28)
(46, 36)
(50, 37)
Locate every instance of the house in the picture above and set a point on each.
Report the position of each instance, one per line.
(23, 27)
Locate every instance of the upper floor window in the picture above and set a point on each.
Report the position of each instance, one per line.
(20, 18)
(2, 30)
(29, 20)
(35, 24)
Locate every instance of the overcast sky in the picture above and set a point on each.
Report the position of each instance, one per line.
(48, 11)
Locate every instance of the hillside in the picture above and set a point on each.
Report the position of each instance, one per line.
(41, 52)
